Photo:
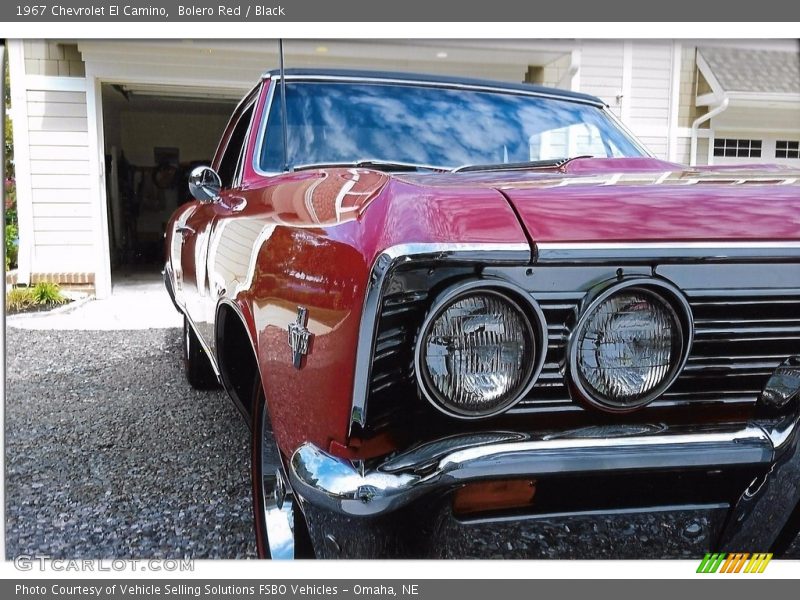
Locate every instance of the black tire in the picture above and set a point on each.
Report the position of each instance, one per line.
(199, 372)
(275, 507)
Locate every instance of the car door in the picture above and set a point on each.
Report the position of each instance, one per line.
(202, 291)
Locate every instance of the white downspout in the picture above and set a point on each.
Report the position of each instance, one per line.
(699, 121)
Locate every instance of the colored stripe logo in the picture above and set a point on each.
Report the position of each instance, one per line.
(738, 562)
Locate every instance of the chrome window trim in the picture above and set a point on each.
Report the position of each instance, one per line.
(500, 288)
(674, 299)
(484, 253)
(244, 105)
(251, 93)
(436, 84)
(262, 131)
(664, 252)
(626, 130)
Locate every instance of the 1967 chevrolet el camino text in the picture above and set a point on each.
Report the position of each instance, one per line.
(466, 318)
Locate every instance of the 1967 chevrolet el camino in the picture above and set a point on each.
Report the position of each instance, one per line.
(466, 318)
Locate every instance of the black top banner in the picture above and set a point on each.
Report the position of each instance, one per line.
(407, 11)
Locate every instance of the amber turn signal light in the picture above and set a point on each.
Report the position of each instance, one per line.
(488, 496)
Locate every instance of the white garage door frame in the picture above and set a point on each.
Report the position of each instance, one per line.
(131, 74)
(225, 65)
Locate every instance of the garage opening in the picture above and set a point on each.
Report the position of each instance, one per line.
(154, 136)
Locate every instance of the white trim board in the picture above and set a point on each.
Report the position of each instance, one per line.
(22, 162)
(48, 83)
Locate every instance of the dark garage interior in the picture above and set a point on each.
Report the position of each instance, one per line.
(154, 136)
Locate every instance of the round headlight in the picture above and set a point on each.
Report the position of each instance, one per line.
(476, 354)
(629, 345)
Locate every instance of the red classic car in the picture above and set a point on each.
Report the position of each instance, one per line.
(467, 318)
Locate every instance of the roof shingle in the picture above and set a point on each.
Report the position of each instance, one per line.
(746, 70)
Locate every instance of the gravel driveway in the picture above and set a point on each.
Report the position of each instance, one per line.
(110, 453)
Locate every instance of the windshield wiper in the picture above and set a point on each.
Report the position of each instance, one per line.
(520, 166)
(370, 163)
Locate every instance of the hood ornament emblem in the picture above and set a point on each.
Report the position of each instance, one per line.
(299, 337)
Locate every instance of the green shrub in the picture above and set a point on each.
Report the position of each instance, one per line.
(48, 293)
(11, 245)
(19, 299)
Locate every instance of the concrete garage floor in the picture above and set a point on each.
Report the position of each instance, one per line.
(109, 452)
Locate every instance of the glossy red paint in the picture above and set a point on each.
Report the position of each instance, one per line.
(644, 200)
(326, 228)
(310, 238)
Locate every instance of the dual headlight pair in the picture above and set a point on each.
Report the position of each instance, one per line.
(483, 345)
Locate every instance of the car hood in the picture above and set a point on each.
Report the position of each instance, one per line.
(642, 200)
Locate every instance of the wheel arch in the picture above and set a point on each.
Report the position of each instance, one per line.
(237, 356)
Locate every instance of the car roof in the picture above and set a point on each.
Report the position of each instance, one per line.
(352, 74)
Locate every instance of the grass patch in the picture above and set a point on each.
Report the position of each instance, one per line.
(42, 296)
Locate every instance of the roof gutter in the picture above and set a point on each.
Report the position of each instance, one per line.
(719, 108)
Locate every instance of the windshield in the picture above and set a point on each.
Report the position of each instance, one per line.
(332, 122)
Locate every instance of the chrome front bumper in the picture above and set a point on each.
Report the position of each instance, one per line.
(338, 485)
(380, 502)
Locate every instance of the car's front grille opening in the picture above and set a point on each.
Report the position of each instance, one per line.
(739, 341)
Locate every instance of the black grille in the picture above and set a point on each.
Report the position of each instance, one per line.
(739, 340)
(738, 343)
(392, 371)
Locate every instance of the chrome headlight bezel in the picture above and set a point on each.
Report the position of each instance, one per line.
(533, 318)
(668, 296)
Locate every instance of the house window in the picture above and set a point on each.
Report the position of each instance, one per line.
(730, 147)
(787, 149)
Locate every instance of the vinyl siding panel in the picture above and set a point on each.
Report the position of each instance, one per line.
(63, 239)
(656, 144)
(60, 224)
(60, 138)
(52, 97)
(58, 182)
(556, 71)
(651, 83)
(59, 153)
(57, 195)
(647, 96)
(59, 167)
(48, 123)
(56, 109)
(601, 71)
(63, 222)
(65, 255)
(62, 209)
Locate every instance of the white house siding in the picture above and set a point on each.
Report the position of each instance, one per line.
(555, 73)
(635, 80)
(683, 150)
(650, 85)
(601, 70)
(51, 58)
(59, 174)
(648, 106)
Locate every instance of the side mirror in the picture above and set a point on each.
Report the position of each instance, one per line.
(205, 184)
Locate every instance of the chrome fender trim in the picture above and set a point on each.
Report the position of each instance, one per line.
(507, 253)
